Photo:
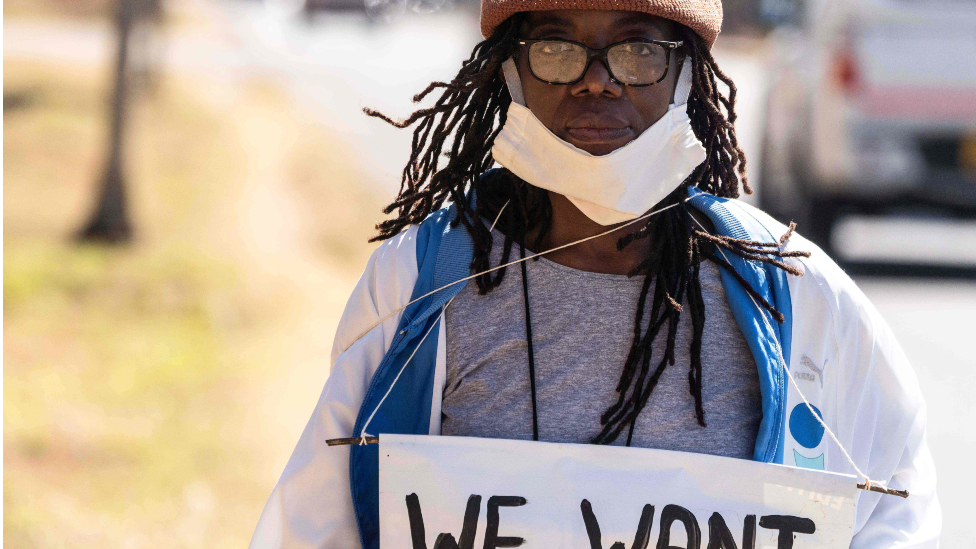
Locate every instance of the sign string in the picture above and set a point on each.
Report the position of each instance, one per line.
(363, 435)
(517, 261)
(365, 438)
(869, 485)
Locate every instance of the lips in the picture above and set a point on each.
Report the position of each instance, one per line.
(595, 128)
(599, 134)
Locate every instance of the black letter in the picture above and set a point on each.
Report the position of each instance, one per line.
(787, 526)
(491, 533)
(444, 541)
(643, 535)
(417, 534)
(719, 536)
(672, 513)
(593, 527)
(749, 532)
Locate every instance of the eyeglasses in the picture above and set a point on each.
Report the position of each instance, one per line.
(632, 62)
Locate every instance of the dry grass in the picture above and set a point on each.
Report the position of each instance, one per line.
(137, 401)
(72, 9)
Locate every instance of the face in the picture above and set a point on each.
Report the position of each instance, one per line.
(597, 114)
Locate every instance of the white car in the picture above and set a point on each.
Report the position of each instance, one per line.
(871, 109)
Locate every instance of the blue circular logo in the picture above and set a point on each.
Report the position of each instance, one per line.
(804, 427)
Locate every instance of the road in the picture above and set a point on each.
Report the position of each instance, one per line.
(341, 64)
(934, 321)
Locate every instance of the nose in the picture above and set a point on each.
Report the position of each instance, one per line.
(596, 80)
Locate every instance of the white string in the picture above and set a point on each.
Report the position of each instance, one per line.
(363, 434)
(499, 216)
(867, 480)
(517, 261)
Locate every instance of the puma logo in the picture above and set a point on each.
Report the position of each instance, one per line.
(805, 361)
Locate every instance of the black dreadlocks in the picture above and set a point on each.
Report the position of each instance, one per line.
(473, 108)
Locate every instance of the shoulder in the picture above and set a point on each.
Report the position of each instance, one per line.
(396, 255)
(823, 280)
(824, 277)
(838, 321)
(392, 273)
(384, 287)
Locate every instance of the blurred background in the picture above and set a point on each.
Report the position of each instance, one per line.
(189, 186)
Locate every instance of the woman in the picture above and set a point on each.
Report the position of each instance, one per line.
(658, 314)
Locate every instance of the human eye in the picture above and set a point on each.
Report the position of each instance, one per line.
(555, 47)
(636, 48)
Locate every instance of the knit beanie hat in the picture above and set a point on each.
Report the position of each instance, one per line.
(702, 16)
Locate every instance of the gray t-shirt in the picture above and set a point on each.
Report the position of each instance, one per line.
(582, 329)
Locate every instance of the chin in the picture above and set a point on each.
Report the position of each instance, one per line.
(597, 149)
(594, 147)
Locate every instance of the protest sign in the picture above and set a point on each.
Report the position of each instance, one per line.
(456, 492)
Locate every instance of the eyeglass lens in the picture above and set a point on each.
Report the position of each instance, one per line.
(634, 63)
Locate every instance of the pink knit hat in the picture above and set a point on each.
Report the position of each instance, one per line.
(702, 16)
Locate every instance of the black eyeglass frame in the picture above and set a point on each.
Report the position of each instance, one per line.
(601, 54)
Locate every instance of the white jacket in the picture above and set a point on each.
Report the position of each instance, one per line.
(843, 357)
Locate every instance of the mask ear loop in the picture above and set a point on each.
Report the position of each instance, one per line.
(868, 484)
(682, 88)
(510, 71)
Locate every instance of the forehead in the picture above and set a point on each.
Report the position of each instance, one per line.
(599, 21)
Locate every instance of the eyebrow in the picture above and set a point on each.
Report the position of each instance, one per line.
(638, 19)
(550, 21)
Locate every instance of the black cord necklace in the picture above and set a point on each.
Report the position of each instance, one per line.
(528, 338)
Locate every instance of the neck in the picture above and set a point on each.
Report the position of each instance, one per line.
(599, 255)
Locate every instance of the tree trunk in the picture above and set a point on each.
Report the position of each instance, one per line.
(109, 221)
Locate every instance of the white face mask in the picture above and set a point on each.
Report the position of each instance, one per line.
(612, 188)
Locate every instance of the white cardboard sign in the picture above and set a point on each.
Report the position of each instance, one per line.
(454, 492)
